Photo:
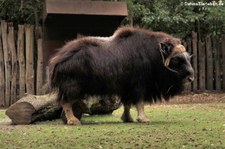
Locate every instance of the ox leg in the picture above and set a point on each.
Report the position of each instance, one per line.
(141, 117)
(126, 117)
(71, 119)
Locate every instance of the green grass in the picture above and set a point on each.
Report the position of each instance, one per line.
(172, 126)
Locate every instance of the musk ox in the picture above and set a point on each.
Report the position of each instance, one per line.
(136, 64)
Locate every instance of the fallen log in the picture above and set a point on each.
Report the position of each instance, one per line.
(33, 108)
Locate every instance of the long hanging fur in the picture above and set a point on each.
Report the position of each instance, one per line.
(128, 64)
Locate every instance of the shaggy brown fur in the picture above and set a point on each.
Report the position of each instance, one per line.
(135, 64)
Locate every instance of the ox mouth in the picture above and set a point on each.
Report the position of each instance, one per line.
(189, 79)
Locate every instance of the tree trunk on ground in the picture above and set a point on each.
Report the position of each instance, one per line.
(32, 108)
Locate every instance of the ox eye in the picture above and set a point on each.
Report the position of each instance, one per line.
(176, 61)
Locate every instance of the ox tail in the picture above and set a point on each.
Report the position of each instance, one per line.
(57, 67)
(56, 64)
(53, 74)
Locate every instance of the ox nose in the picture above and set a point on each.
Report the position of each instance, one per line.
(190, 78)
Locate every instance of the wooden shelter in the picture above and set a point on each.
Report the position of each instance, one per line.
(65, 20)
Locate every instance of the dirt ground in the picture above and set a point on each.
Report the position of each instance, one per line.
(190, 98)
(206, 97)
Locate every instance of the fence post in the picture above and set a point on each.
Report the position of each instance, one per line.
(21, 59)
(194, 60)
(7, 61)
(12, 48)
(223, 60)
(217, 62)
(209, 62)
(29, 36)
(188, 47)
(2, 74)
(201, 57)
(39, 67)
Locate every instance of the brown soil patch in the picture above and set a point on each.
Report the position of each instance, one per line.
(206, 97)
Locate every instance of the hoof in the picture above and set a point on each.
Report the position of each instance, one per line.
(143, 119)
(127, 119)
(73, 122)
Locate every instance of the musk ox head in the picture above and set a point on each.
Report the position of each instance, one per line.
(176, 59)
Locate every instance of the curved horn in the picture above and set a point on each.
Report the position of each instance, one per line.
(177, 49)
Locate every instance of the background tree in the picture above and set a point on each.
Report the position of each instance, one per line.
(22, 11)
(177, 17)
(174, 16)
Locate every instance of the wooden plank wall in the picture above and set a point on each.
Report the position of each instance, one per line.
(21, 62)
(20, 51)
(208, 62)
